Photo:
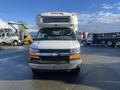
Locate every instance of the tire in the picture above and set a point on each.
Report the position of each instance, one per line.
(15, 43)
(109, 43)
(84, 43)
(75, 72)
(117, 43)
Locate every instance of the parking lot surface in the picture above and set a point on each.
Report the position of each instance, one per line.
(100, 71)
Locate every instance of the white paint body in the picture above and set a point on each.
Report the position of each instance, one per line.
(4, 38)
(57, 44)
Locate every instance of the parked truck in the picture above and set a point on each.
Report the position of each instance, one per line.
(7, 36)
(56, 46)
(109, 39)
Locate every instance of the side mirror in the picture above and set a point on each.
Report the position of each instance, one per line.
(77, 35)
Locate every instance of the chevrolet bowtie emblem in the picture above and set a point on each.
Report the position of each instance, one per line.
(55, 54)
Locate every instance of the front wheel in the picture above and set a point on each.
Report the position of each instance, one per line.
(15, 43)
(84, 42)
(109, 43)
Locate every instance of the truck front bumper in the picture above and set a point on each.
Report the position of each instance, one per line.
(64, 66)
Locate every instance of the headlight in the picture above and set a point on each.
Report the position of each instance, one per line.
(75, 51)
(34, 51)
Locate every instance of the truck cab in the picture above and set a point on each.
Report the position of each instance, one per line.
(87, 38)
(56, 46)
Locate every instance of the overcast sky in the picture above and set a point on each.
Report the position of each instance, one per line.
(94, 15)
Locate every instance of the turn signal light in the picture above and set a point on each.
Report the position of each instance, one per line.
(34, 57)
(76, 56)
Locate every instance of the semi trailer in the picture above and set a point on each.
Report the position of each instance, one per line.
(109, 39)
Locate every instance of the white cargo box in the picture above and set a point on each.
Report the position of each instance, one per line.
(42, 25)
(57, 19)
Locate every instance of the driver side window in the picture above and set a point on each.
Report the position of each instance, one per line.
(3, 35)
(8, 35)
(41, 35)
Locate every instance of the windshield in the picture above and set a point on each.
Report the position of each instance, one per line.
(56, 34)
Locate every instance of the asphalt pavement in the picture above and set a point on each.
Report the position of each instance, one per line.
(100, 71)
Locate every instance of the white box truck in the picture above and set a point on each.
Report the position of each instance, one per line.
(56, 46)
(7, 36)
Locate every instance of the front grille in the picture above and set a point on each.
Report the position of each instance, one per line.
(54, 50)
(56, 58)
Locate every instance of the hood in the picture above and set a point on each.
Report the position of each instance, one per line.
(55, 44)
